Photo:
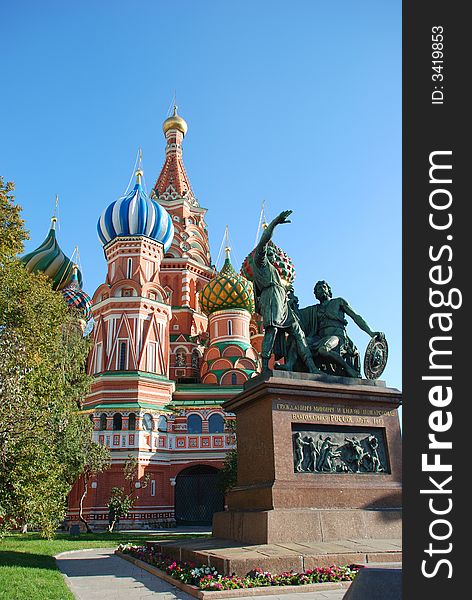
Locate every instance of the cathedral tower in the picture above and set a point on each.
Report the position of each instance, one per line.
(228, 300)
(130, 357)
(186, 267)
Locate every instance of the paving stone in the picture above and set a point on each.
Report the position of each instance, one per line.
(100, 575)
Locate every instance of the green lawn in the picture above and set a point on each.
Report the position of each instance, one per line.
(28, 568)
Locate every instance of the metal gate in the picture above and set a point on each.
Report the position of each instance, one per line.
(197, 495)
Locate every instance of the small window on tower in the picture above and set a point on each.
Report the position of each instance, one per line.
(117, 422)
(194, 424)
(216, 424)
(153, 487)
(147, 422)
(129, 269)
(122, 356)
(230, 327)
(168, 295)
(132, 422)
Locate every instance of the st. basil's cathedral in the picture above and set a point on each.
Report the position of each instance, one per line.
(172, 340)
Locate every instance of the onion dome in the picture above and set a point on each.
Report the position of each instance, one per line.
(75, 296)
(49, 259)
(228, 290)
(278, 258)
(136, 214)
(175, 122)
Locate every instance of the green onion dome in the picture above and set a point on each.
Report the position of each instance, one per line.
(228, 290)
(278, 258)
(49, 259)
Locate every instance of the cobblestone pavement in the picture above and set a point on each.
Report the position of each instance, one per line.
(100, 575)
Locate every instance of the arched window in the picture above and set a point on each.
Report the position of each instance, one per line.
(195, 360)
(147, 422)
(216, 424)
(129, 268)
(162, 423)
(180, 359)
(103, 422)
(117, 422)
(132, 422)
(194, 424)
(234, 379)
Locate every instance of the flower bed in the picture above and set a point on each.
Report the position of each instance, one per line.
(208, 578)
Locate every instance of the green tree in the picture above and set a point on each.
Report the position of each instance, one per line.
(42, 384)
(121, 501)
(84, 458)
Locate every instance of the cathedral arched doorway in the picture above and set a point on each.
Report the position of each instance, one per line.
(197, 495)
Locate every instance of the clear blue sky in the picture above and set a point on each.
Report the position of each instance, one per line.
(296, 102)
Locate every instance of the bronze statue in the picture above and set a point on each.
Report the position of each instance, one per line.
(278, 316)
(324, 325)
(327, 325)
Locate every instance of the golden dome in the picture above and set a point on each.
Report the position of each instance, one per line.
(175, 122)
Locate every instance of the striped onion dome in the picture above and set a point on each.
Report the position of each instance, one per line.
(281, 261)
(49, 259)
(136, 214)
(75, 296)
(228, 290)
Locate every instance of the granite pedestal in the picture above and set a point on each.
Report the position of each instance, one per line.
(319, 460)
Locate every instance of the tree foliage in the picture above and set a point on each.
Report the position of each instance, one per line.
(121, 501)
(91, 459)
(42, 384)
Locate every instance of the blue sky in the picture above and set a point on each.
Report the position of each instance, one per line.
(296, 102)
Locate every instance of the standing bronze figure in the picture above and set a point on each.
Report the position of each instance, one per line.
(278, 316)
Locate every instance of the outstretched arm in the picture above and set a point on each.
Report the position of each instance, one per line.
(267, 234)
(358, 320)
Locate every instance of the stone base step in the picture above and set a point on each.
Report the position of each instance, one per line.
(230, 557)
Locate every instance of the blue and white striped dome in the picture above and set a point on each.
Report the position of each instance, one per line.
(136, 214)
